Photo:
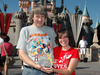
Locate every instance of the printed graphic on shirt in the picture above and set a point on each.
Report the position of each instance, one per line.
(40, 47)
(62, 62)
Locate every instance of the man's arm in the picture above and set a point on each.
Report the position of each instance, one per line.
(86, 44)
(23, 56)
(12, 51)
(78, 46)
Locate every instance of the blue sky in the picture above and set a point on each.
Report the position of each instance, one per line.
(93, 7)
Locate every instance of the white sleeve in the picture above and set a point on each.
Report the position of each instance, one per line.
(86, 43)
(22, 42)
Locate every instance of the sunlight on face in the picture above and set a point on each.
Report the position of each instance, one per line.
(63, 39)
(38, 20)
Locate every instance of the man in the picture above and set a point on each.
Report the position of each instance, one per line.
(33, 42)
(83, 44)
(1, 41)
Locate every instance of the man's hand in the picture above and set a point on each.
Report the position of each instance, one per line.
(38, 67)
(47, 70)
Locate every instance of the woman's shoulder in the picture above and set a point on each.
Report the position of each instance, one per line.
(57, 48)
(73, 49)
(7, 43)
(57, 51)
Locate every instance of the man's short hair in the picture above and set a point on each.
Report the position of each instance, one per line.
(39, 9)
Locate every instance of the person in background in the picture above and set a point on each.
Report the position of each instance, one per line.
(65, 57)
(2, 34)
(36, 42)
(9, 48)
(82, 45)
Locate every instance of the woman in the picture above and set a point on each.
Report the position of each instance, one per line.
(9, 48)
(65, 57)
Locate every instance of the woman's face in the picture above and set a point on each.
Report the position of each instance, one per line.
(63, 40)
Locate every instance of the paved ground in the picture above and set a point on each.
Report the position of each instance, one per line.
(16, 68)
(88, 68)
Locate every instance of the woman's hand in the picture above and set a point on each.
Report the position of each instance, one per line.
(47, 70)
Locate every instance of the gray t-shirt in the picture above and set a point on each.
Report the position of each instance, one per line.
(38, 43)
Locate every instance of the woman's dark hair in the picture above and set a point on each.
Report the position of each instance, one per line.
(2, 34)
(69, 34)
(6, 38)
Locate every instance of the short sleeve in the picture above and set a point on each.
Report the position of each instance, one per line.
(86, 43)
(79, 42)
(76, 54)
(22, 42)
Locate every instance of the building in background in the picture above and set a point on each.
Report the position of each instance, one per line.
(58, 17)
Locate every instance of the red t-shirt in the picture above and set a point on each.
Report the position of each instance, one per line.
(62, 58)
(8, 47)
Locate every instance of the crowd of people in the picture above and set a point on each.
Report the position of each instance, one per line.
(41, 50)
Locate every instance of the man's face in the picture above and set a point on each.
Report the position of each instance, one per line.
(83, 38)
(38, 20)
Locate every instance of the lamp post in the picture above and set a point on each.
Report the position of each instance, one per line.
(5, 8)
(76, 17)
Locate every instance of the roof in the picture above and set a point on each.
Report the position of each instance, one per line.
(58, 10)
(38, 1)
(97, 23)
(13, 17)
(52, 0)
(85, 12)
(33, 0)
(0, 11)
(21, 10)
(79, 11)
(64, 11)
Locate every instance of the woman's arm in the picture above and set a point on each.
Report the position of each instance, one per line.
(71, 68)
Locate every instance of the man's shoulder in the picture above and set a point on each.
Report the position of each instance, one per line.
(81, 40)
(26, 28)
(48, 27)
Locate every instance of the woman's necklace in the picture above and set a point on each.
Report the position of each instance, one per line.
(65, 49)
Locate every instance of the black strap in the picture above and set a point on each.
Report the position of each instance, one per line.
(29, 67)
